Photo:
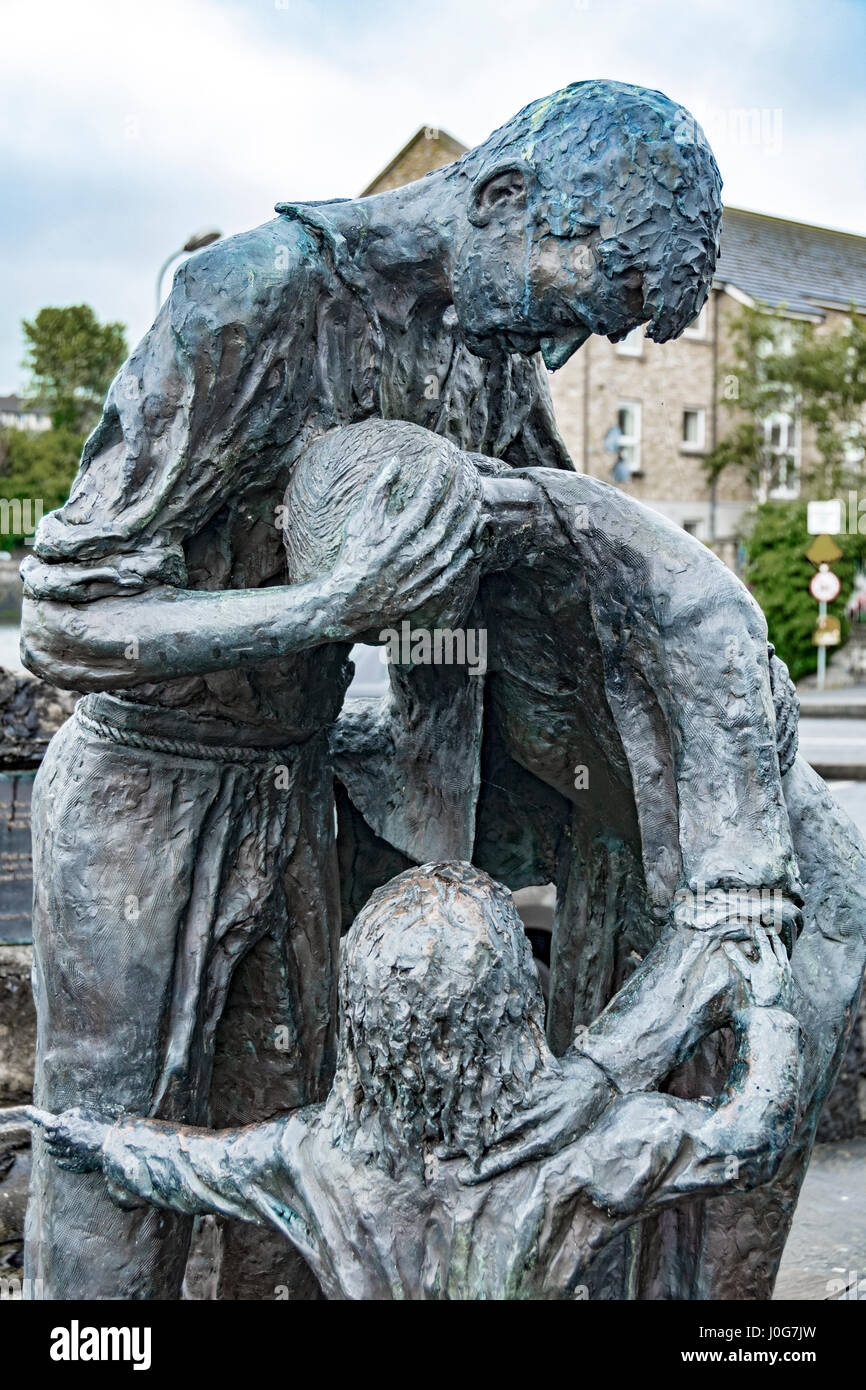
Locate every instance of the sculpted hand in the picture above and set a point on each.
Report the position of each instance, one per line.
(559, 1116)
(393, 563)
(74, 1140)
(763, 971)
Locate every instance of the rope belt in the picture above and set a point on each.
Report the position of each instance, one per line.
(184, 748)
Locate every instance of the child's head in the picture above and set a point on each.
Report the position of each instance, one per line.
(441, 1014)
(333, 479)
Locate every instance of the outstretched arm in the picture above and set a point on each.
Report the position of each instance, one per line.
(245, 1173)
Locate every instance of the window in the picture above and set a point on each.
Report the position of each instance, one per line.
(781, 455)
(694, 429)
(628, 423)
(632, 345)
(698, 327)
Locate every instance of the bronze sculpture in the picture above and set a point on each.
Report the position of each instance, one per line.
(187, 874)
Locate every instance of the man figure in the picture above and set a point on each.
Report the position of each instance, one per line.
(441, 1048)
(188, 802)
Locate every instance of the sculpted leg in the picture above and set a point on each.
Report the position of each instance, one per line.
(100, 1002)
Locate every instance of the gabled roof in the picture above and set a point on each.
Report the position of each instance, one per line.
(17, 405)
(803, 267)
(439, 148)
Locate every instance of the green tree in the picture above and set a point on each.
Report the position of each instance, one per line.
(780, 364)
(72, 358)
(778, 574)
(36, 470)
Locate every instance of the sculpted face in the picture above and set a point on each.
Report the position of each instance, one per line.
(519, 289)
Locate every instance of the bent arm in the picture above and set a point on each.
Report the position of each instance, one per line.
(687, 679)
(652, 1150)
(164, 633)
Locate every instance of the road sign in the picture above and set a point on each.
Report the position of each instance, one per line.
(824, 518)
(824, 585)
(828, 632)
(823, 551)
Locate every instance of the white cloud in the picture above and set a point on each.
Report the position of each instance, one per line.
(126, 126)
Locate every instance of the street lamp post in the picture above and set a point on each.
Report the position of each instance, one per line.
(193, 243)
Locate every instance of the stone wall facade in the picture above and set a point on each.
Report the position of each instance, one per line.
(429, 149)
(662, 381)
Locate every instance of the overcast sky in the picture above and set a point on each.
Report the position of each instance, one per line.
(126, 126)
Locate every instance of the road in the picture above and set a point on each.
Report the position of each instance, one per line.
(829, 743)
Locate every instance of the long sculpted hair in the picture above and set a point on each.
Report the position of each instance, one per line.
(441, 1018)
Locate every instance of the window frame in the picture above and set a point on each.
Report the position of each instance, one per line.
(697, 446)
(632, 441)
(785, 491)
(636, 334)
(697, 329)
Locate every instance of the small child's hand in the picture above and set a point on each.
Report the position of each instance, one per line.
(74, 1140)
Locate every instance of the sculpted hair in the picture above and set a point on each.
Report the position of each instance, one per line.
(330, 478)
(632, 166)
(441, 1016)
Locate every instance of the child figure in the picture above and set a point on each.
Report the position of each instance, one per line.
(455, 1156)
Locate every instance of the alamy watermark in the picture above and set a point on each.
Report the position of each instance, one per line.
(852, 514)
(20, 517)
(14, 1289)
(438, 646)
(704, 907)
(733, 125)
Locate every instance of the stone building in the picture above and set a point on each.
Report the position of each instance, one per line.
(657, 410)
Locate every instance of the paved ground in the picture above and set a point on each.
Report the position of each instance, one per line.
(10, 659)
(851, 796)
(843, 698)
(831, 744)
(826, 1251)
(828, 1238)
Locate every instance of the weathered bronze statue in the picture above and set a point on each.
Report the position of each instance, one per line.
(315, 444)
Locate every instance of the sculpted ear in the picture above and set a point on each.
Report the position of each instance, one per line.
(503, 189)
